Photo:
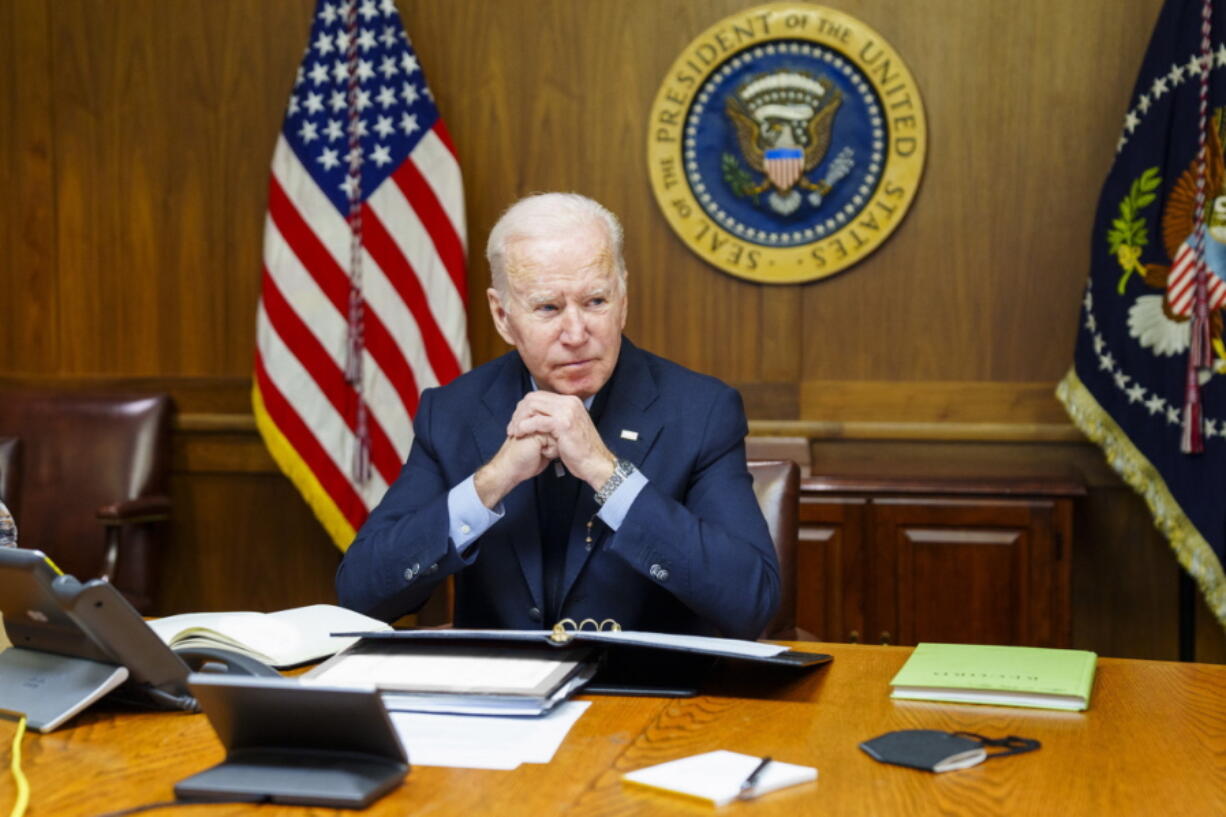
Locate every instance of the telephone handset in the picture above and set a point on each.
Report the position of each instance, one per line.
(226, 662)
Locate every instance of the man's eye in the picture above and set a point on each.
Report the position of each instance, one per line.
(546, 308)
(598, 301)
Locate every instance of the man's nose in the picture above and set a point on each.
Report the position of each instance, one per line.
(574, 327)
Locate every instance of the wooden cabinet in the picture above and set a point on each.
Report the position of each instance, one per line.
(896, 558)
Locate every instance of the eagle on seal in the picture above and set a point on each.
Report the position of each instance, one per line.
(784, 133)
(1161, 322)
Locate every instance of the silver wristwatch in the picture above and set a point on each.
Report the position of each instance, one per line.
(621, 470)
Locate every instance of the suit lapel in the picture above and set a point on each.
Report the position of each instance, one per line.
(521, 525)
(629, 428)
(630, 424)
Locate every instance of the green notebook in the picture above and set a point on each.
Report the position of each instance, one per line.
(1008, 676)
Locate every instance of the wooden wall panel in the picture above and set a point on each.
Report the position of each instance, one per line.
(1023, 122)
(144, 131)
(165, 115)
(28, 289)
(244, 541)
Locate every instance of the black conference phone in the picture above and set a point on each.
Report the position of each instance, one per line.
(47, 611)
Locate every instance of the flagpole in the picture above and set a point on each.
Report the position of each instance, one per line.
(356, 341)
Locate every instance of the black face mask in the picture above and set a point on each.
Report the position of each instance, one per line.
(936, 751)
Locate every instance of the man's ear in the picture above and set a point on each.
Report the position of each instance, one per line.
(625, 304)
(499, 313)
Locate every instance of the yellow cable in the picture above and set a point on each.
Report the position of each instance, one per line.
(23, 785)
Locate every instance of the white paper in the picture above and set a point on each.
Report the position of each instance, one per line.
(479, 742)
(456, 673)
(717, 776)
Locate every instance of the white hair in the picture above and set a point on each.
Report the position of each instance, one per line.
(547, 216)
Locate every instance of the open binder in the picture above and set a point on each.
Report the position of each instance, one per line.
(631, 662)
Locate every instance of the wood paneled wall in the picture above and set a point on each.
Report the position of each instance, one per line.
(134, 161)
(139, 135)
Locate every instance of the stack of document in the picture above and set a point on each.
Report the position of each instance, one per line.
(460, 679)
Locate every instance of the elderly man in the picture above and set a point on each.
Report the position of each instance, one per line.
(577, 476)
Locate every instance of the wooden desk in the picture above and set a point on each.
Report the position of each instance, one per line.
(1153, 742)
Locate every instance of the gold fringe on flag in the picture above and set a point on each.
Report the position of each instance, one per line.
(1191, 549)
(304, 479)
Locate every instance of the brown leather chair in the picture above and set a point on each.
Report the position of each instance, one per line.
(776, 483)
(95, 481)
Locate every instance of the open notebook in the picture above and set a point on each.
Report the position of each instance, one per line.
(281, 639)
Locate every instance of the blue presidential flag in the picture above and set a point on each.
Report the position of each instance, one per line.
(1148, 382)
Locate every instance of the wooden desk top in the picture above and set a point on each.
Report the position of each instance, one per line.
(1153, 742)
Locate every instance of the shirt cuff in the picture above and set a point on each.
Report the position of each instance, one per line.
(467, 516)
(615, 508)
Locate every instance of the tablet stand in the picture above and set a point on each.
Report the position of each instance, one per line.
(49, 688)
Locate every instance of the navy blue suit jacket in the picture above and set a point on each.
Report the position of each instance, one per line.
(692, 555)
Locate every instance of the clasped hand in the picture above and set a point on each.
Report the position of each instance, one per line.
(545, 427)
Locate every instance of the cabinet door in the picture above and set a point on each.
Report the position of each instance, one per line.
(977, 571)
(830, 567)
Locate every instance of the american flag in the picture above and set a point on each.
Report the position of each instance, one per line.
(362, 304)
(1181, 283)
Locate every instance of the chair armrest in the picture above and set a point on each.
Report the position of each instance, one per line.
(153, 508)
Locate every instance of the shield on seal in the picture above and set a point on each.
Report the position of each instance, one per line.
(784, 166)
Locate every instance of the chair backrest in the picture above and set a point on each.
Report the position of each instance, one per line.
(776, 483)
(81, 451)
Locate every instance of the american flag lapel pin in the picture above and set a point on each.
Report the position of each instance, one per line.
(627, 434)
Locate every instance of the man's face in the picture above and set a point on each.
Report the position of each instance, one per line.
(564, 311)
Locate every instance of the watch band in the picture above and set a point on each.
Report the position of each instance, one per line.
(621, 470)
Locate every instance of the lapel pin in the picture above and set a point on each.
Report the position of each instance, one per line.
(627, 434)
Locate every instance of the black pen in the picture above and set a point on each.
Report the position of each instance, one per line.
(748, 783)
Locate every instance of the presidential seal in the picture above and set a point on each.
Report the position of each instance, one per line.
(786, 143)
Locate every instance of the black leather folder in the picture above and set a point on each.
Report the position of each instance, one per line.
(631, 663)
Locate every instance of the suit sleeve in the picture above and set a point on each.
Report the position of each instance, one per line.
(403, 551)
(711, 549)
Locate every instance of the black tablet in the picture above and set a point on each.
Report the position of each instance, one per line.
(292, 742)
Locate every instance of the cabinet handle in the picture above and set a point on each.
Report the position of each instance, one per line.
(885, 637)
(853, 637)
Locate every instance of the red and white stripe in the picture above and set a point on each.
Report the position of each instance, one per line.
(413, 314)
(784, 173)
(1181, 283)
(1191, 439)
